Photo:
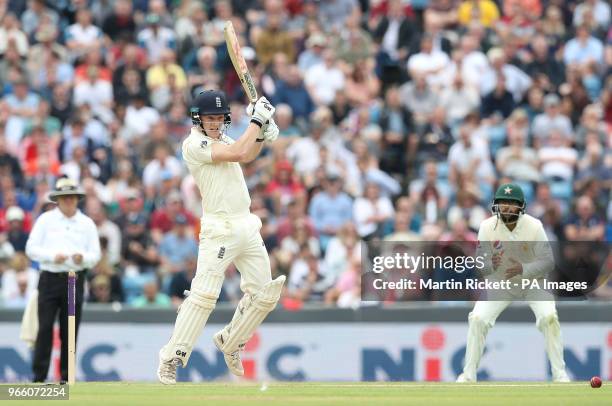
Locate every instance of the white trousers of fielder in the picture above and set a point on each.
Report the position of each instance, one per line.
(483, 317)
(223, 241)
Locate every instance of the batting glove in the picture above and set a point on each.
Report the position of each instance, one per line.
(262, 111)
(270, 131)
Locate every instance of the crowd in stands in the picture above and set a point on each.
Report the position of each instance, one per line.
(398, 119)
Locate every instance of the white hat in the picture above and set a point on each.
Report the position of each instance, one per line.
(65, 187)
(15, 213)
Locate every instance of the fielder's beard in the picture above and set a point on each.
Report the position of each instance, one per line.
(509, 218)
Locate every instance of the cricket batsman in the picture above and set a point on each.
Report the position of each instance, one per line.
(517, 247)
(229, 233)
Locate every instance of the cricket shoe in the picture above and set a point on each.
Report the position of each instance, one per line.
(463, 378)
(562, 377)
(233, 361)
(166, 371)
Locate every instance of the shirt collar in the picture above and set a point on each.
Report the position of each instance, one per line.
(61, 215)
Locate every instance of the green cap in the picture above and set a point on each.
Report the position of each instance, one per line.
(510, 191)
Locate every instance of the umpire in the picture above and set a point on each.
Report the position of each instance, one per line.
(62, 240)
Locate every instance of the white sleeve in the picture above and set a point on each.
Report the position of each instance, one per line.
(195, 153)
(35, 248)
(545, 261)
(483, 249)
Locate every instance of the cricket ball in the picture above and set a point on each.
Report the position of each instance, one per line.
(595, 382)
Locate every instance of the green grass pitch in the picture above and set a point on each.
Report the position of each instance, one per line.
(375, 393)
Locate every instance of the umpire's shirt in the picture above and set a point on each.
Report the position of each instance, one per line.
(53, 234)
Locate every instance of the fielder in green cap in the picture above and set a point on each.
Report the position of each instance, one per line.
(516, 247)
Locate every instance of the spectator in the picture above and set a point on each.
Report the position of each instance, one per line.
(293, 92)
(178, 248)
(16, 233)
(469, 159)
(371, 212)
(553, 25)
(544, 64)
(181, 281)
(551, 119)
(558, 159)
(395, 32)
(498, 104)
(39, 154)
(583, 49)
(165, 71)
(324, 79)
(23, 105)
(516, 81)
(474, 64)
(308, 279)
(401, 228)
(585, 225)
(131, 58)
(431, 180)
(18, 281)
(83, 35)
(206, 74)
(396, 124)
(418, 97)
(37, 15)
(347, 290)
(428, 62)
(139, 118)
(105, 283)
(97, 93)
(120, 23)
(106, 229)
(284, 119)
(75, 136)
(483, 11)
(10, 33)
(361, 85)
(100, 289)
(459, 100)
(353, 44)
(9, 163)
(334, 13)
(312, 55)
(517, 160)
(300, 236)
(163, 219)
(155, 38)
(137, 247)
(162, 165)
(467, 209)
(284, 188)
(330, 209)
(151, 297)
(273, 40)
(597, 10)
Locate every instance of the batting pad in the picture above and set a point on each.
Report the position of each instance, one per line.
(251, 312)
(477, 334)
(192, 316)
(551, 329)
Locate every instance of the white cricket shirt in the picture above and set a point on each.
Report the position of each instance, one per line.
(53, 233)
(222, 186)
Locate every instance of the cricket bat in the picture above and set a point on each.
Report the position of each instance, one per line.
(71, 328)
(233, 48)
